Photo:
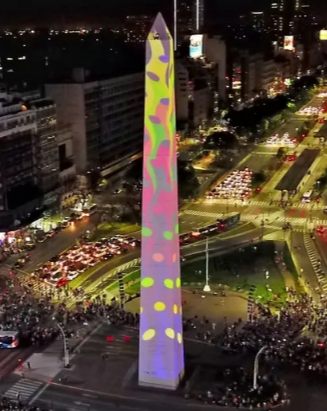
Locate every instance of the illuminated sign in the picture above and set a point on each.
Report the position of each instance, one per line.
(323, 35)
(196, 46)
(289, 43)
(161, 354)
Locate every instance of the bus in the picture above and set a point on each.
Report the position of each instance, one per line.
(306, 198)
(9, 339)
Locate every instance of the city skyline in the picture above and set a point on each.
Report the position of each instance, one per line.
(85, 11)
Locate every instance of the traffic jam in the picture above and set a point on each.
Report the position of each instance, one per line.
(70, 264)
(283, 140)
(237, 186)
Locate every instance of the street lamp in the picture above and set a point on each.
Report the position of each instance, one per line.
(256, 367)
(207, 288)
(66, 351)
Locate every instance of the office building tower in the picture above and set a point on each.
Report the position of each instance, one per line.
(106, 117)
(161, 356)
(188, 18)
(29, 158)
(257, 21)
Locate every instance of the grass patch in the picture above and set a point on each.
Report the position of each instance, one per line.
(288, 260)
(107, 229)
(87, 273)
(129, 281)
(133, 289)
(240, 270)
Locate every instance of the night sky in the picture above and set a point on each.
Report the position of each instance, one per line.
(67, 11)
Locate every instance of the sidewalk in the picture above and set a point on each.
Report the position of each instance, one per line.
(44, 366)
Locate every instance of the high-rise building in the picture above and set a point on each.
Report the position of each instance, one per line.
(257, 21)
(106, 117)
(161, 357)
(215, 52)
(29, 158)
(287, 17)
(188, 18)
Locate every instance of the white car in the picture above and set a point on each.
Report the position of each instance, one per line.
(72, 274)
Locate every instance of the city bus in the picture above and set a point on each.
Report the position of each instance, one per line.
(9, 339)
(306, 198)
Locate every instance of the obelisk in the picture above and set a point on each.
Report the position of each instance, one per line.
(161, 357)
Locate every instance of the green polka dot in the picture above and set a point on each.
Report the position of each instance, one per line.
(177, 228)
(147, 282)
(178, 282)
(169, 283)
(146, 232)
(168, 235)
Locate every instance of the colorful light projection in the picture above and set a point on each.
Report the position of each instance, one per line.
(161, 357)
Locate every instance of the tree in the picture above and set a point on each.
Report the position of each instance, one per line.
(221, 140)
(259, 178)
(188, 183)
(135, 172)
(280, 153)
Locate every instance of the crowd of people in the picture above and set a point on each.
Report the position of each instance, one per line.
(20, 312)
(36, 319)
(293, 337)
(236, 390)
(8, 405)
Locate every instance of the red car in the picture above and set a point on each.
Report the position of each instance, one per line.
(291, 157)
(321, 229)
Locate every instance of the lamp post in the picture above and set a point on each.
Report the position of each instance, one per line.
(175, 25)
(66, 351)
(207, 288)
(256, 367)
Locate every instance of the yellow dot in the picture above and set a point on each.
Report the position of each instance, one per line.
(141, 310)
(178, 282)
(159, 306)
(169, 283)
(175, 309)
(170, 333)
(179, 338)
(148, 334)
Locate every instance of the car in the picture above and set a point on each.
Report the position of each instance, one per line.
(72, 274)
(50, 233)
(117, 191)
(321, 229)
(107, 257)
(30, 246)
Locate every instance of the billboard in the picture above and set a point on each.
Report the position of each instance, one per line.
(289, 43)
(196, 46)
(323, 35)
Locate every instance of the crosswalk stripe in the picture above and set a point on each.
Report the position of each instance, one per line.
(23, 389)
(203, 213)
